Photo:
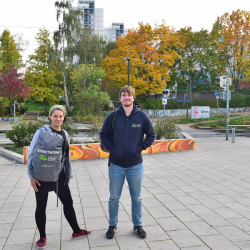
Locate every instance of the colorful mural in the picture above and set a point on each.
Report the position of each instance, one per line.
(93, 151)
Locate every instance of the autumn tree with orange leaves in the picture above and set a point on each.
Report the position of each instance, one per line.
(151, 53)
(232, 33)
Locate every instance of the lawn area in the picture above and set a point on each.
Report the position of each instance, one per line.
(189, 120)
(15, 149)
(37, 106)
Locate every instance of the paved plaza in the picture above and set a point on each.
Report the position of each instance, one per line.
(192, 200)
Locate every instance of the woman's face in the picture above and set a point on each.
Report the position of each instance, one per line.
(57, 118)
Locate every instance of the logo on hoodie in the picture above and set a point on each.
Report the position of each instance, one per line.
(136, 125)
(43, 158)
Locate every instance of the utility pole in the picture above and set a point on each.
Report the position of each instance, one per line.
(99, 80)
(187, 99)
(227, 123)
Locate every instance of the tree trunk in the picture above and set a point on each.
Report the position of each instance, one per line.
(236, 85)
(44, 105)
(14, 109)
(11, 112)
(65, 89)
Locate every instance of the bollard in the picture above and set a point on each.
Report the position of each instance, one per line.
(233, 135)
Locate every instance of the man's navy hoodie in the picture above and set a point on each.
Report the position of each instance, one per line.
(127, 142)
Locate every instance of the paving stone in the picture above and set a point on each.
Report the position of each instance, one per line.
(15, 237)
(18, 247)
(227, 213)
(185, 238)
(155, 233)
(8, 217)
(106, 248)
(233, 233)
(5, 230)
(199, 209)
(171, 224)
(219, 242)
(215, 220)
(131, 242)
(159, 212)
(100, 223)
(174, 205)
(98, 239)
(244, 245)
(196, 248)
(201, 228)
(75, 244)
(162, 245)
(186, 215)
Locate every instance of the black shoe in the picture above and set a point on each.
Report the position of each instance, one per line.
(111, 232)
(139, 231)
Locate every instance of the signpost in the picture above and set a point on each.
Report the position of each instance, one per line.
(217, 97)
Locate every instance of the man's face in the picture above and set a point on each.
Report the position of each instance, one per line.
(126, 99)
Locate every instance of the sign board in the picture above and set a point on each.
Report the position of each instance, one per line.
(198, 112)
(225, 95)
(216, 93)
(217, 97)
(164, 101)
(184, 96)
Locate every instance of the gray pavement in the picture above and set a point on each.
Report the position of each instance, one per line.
(192, 200)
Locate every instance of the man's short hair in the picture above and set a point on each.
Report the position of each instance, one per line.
(127, 89)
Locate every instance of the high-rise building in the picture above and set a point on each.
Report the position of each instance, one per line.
(93, 20)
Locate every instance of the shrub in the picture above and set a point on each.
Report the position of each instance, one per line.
(165, 128)
(22, 109)
(22, 132)
(95, 129)
(237, 100)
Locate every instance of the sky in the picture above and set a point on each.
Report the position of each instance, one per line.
(27, 16)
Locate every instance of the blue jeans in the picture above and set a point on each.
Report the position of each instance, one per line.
(134, 177)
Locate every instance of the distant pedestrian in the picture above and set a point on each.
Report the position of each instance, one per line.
(125, 146)
(57, 116)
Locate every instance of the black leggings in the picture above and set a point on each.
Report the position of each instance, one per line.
(69, 212)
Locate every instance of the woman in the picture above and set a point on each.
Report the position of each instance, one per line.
(57, 116)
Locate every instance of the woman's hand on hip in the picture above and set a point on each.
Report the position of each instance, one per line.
(33, 183)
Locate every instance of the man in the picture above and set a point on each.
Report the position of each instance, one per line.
(125, 146)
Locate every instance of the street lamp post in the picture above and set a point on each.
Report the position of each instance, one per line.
(128, 59)
(187, 98)
(99, 80)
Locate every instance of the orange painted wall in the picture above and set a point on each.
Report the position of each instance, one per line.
(93, 151)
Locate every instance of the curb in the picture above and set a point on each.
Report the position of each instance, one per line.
(186, 135)
(11, 155)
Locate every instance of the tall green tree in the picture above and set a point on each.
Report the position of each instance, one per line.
(197, 59)
(9, 52)
(68, 26)
(43, 71)
(232, 33)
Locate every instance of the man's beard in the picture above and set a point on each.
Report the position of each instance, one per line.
(128, 105)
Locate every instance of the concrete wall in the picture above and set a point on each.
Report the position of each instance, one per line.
(152, 113)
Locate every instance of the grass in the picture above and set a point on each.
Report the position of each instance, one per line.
(189, 120)
(36, 106)
(15, 149)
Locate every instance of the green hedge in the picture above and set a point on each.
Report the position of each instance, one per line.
(237, 100)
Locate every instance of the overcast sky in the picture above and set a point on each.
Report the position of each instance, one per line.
(27, 16)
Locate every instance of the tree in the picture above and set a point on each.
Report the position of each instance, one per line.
(233, 40)
(85, 75)
(69, 25)
(151, 56)
(12, 85)
(9, 52)
(197, 61)
(85, 80)
(43, 71)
